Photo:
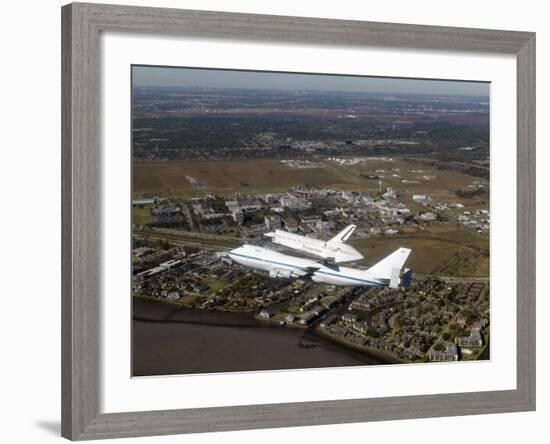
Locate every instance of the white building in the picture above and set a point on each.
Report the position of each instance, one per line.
(139, 203)
(420, 197)
(428, 217)
(237, 215)
(294, 203)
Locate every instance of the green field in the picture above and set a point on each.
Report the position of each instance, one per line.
(264, 176)
(439, 185)
(457, 252)
(228, 177)
(215, 284)
(141, 216)
(207, 241)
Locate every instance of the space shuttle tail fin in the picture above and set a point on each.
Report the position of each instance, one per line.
(343, 235)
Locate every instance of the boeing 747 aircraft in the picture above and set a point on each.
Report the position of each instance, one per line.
(334, 250)
(387, 272)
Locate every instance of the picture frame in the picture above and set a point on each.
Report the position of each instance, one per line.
(81, 234)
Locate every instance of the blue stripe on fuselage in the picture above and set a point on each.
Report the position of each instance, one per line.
(305, 269)
(350, 278)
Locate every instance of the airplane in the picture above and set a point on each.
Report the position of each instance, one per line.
(387, 272)
(334, 250)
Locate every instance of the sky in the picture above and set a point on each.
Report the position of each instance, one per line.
(214, 78)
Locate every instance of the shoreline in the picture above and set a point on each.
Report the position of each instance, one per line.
(168, 340)
(172, 313)
(381, 354)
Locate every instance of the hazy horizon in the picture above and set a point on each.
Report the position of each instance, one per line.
(150, 76)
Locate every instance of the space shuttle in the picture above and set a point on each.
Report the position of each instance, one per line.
(334, 250)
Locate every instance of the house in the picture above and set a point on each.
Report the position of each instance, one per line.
(428, 217)
(173, 295)
(290, 318)
(443, 352)
(308, 318)
(266, 313)
(474, 340)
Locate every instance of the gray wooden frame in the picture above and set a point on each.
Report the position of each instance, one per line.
(81, 167)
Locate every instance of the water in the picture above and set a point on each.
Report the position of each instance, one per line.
(168, 340)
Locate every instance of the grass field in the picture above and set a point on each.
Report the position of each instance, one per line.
(215, 284)
(141, 216)
(210, 241)
(228, 177)
(263, 176)
(439, 184)
(449, 253)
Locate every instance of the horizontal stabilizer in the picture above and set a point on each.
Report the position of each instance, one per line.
(347, 254)
(406, 278)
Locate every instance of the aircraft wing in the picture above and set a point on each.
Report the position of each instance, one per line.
(311, 270)
(289, 274)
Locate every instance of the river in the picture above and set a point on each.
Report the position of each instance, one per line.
(168, 340)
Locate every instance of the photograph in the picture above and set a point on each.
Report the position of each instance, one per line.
(274, 222)
(300, 220)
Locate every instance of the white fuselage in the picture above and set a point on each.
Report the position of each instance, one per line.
(336, 252)
(280, 265)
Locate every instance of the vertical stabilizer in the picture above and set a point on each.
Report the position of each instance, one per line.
(343, 235)
(394, 278)
(395, 261)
